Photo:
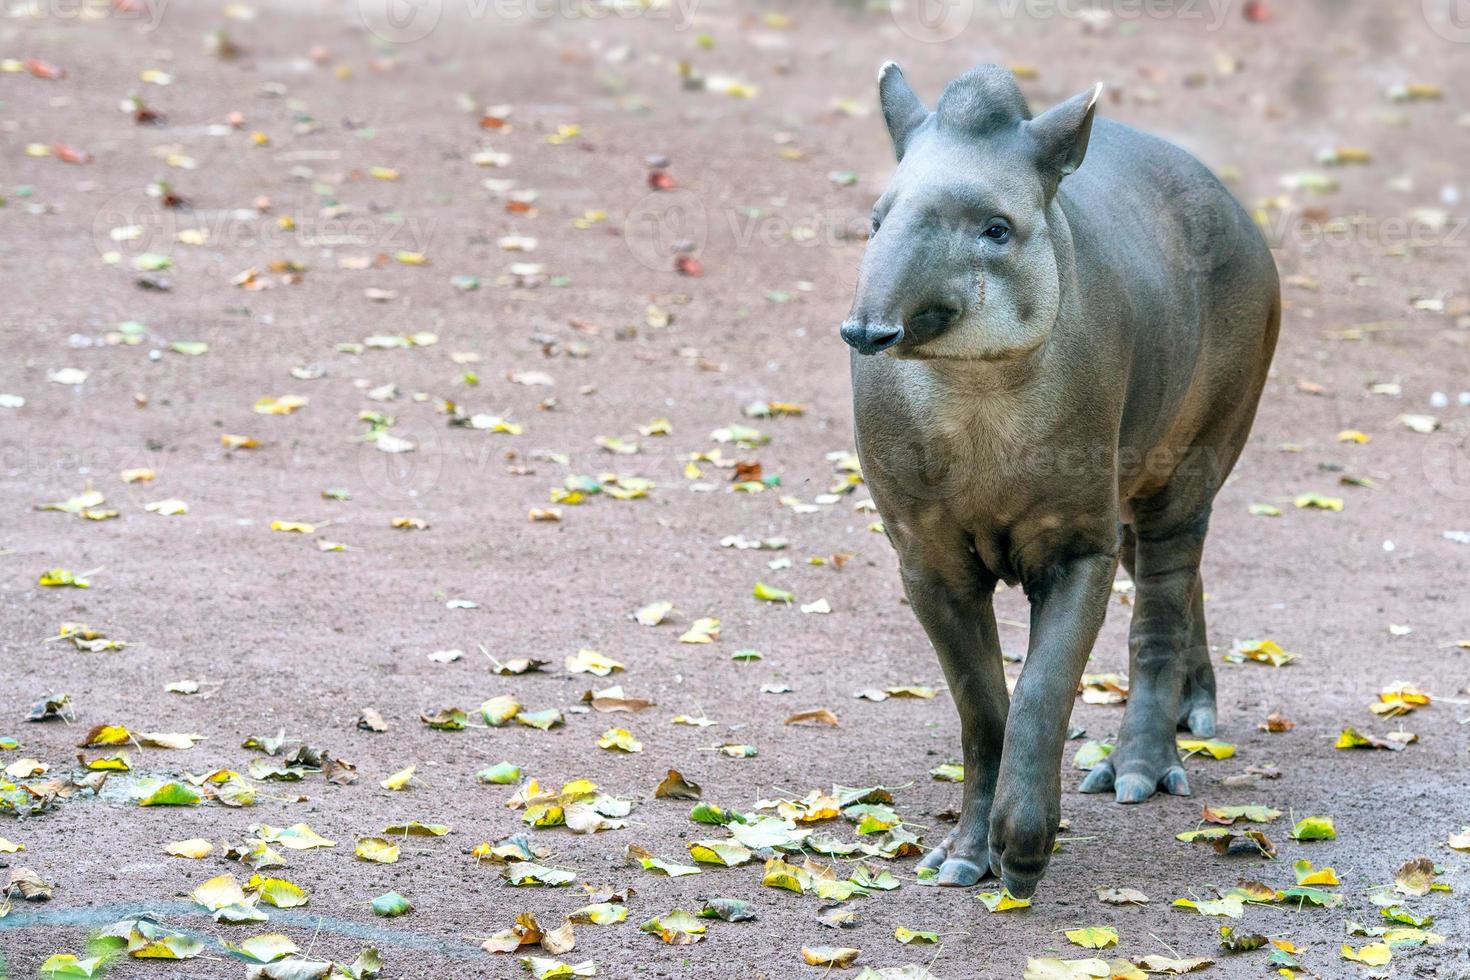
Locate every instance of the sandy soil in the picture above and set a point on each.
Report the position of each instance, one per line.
(281, 635)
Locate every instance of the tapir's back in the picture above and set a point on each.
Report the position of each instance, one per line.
(1168, 257)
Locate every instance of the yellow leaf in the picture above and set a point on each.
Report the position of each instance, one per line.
(377, 850)
(399, 780)
(293, 527)
(277, 892)
(621, 739)
(219, 892)
(1373, 954)
(1003, 901)
(1215, 750)
(1094, 937)
(591, 662)
(838, 956)
(194, 847)
(279, 405)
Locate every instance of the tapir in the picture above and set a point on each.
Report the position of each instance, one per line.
(1061, 331)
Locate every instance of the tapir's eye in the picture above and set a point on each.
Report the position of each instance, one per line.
(998, 231)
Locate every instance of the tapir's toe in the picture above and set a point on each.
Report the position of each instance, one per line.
(1099, 780)
(935, 857)
(1201, 721)
(959, 872)
(1175, 782)
(1133, 787)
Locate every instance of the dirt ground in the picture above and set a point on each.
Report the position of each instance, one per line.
(775, 162)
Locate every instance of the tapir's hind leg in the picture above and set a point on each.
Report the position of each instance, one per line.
(1166, 576)
(1197, 698)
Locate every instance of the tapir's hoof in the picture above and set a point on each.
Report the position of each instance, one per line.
(1135, 787)
(1201, 721)
(959, 873)
(1019, 877)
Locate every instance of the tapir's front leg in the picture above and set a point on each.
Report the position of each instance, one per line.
(961, 624)
(1067, 610)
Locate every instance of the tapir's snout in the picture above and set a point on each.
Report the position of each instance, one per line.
(870, 338)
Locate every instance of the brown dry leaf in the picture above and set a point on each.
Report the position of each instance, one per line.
(1122, 896)
(559, 940)
(371, 721)
(821, 715)
(614, 699)
(675, 787)
(1277, 722)
(1163, 964)
(25, 883)
(1414, 878)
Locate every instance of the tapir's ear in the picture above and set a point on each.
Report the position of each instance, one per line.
(1060, 134)
(902, 109)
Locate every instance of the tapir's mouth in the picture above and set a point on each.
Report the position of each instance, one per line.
(875, 337)
(929, 322)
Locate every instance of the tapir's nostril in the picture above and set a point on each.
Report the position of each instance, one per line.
(932, 319)
(870, 338)
(881, 338)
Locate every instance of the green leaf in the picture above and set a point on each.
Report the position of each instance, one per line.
(170, 794)
(948, 772)
(1090, 753)
(390, 905)
(906, 935)
(727, 909)
(1314, 828)
(500, 774)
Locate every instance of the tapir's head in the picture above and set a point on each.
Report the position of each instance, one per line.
(962, 263)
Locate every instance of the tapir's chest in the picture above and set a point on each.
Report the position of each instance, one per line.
(1002, 481)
